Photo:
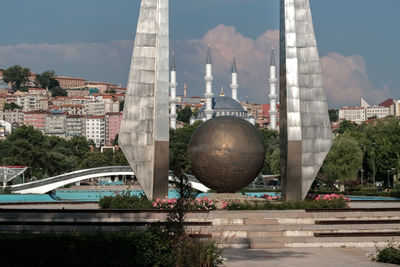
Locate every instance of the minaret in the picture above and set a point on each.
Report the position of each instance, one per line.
(234, 85)
(208, 78)
(272, 86)
(173, 99)
(222, 91)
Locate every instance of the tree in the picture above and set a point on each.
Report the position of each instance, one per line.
(121, 105)
(17, 76)
(346, 125)
(272, 156)
(11, 106)
(47, 80)
(343, 160)
(58, 91)
(185, 114)
(333, 115)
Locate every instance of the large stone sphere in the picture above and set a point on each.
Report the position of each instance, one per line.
(227, 153)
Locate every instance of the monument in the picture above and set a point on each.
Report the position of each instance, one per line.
(227, 153)
(304, 122)
(144, 132)
(305, 133)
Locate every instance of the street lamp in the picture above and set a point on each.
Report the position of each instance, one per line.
(373, 164)
(388, 181)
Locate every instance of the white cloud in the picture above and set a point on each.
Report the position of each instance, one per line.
(345, 77)
(94, 61)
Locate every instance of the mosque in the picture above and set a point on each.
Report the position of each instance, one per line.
(222, 105)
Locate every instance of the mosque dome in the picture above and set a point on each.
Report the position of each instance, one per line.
(225, 106)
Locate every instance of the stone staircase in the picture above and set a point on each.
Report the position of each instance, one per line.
(299, 228)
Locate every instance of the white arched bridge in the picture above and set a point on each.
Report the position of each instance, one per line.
(49, 184)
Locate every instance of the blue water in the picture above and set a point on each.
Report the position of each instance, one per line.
(96, 195)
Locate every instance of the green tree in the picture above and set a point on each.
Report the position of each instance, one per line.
(272, 156)
(58, 91)
(346, 125)
(47, 80)
(185, 114)
(17, 76)
(121, 105)
(11, 106)
(333, 115)
(343, 160)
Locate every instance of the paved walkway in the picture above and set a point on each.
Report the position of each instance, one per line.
(309, 257)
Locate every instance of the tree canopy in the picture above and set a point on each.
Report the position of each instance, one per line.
(49, 155)
(185, 114)
(17, 76)
(58, 91)
(11, 106)
(46, 80)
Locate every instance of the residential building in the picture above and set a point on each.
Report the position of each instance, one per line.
(75, 125)
(5, 128)
(113, 123)
(55, 123)
(95, 108)
(377, 112)
(15, 117)
(96, 129)
(37, 119)
(354, 114)
(266, 109)
(3, 100)
(38, 91)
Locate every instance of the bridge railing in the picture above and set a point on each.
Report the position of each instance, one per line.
(70, 175)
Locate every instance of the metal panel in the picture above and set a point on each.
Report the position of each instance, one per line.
(144, 128)
(304, 110)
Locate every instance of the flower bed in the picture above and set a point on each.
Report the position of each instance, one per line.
(124, 201)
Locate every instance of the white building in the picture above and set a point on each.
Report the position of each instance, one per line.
(377, 112)
(354, 114)
(96, 129)
(95, 108)
(5, 128)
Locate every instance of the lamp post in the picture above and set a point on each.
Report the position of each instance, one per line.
(373, 164)
(388, 181)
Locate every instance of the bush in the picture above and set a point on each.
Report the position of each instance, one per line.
(389, 254)
(328, 202)
(153, 247)
(125, 201)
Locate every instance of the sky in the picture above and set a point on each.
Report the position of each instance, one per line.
(93, 39)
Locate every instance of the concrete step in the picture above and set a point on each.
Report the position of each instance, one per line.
(358, 234)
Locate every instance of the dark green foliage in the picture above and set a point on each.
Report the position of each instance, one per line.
(46, 80)
(346, 125)
(287, 205)
(50, 155)
(272, 157)
(125, 201)
(58, 91)
(149, 248)
(389, 254)
(185, 114)
(11, 106)
(17, 75)
(121, 105)
(333, 115)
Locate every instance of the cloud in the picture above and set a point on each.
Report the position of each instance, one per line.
(346, 81)
(252, 60)
(93, 61)
(345, 77)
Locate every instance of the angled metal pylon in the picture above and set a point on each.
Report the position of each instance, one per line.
(305, 132)
(144, 132)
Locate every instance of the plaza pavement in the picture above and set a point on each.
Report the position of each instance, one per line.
(308, 257)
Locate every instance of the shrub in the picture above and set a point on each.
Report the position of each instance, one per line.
(153, 247)
(191, 204)
(332, 201)
(389, 254)
(125, 201)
